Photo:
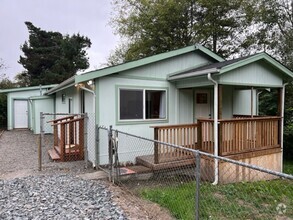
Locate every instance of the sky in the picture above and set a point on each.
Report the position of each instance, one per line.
(87, 17)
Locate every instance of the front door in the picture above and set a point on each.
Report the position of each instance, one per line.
(20, 114)
(202, 107)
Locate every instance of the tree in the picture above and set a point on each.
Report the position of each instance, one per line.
(155, 26)
(275, 33)
(49, 57)
(5, 83)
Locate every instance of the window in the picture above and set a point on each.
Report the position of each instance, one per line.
(201, 98)
(63, 98)
(142, 104)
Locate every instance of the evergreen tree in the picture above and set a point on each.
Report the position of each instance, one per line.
(49, 57)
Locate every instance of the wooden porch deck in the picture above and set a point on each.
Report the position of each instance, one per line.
(239, 139)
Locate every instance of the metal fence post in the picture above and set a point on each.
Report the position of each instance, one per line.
(110, 150)
(42, 117)
(197, 192)
(85, 139)
(97, 145)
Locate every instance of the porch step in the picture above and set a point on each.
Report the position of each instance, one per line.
(148, 161)
(67, 151)
(54, 155)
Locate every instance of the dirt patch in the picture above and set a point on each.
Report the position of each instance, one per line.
(135, 207)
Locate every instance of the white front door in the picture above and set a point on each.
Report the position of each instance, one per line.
(202, 106)
(20, 114)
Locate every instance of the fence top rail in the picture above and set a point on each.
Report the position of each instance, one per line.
(69, 121)
(271, 118)
(175, 126)
(197, 152)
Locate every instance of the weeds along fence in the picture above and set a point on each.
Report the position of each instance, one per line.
(67, 137)
(193, 184)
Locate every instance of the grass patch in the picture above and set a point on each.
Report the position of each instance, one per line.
(288, 166)
(255, 200)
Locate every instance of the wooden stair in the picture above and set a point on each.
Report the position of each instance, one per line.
(53, 154)
(70, 154)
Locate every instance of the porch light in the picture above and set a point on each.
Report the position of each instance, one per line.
(90, 82)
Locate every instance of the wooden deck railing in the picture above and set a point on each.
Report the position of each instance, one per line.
(182, 135)
(248, 134)
(69, 137)
(235, 136)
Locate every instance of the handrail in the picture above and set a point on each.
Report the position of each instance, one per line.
(69, 121)
(241, 119)
(175, 126)
(61, 119)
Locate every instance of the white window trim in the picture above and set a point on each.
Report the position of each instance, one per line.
(144, 107)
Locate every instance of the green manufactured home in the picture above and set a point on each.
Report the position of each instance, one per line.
(190, 90)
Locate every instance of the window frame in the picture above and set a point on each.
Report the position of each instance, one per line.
(144, 119)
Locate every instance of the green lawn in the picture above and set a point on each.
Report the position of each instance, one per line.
(254, 200)
(288, 167)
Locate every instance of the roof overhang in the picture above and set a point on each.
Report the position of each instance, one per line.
(261, 56)
(22, 89)
(64, 85)
(227, 66)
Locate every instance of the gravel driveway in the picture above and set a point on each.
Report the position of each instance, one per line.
(60, 190)
(54, 193)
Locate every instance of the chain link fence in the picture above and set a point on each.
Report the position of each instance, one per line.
(193, 184)
(66, 137)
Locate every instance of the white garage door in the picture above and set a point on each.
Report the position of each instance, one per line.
(20, 114)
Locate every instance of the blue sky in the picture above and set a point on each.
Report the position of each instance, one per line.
(87, 17)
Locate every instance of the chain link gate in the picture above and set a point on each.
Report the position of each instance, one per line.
(67, 137)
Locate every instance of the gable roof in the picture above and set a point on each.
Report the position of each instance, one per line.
(228, 65)
(144, 61)
(21, 89)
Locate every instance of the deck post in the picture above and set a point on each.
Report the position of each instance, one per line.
(62, 142)
(199, 134)
(220, 137)
(156, 147)
(82, 138)
(251, 102)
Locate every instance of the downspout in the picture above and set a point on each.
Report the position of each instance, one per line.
(282, 123)
(94, 111)
(94, 96)
(216, 146)
(41, 91)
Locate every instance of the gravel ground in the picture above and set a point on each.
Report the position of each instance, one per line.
(56, 197)
(60, 190)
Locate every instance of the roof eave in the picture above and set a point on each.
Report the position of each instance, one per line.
(65, 84)
(255, 58)
(209, 53)
(193, 74)
(20, 89)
